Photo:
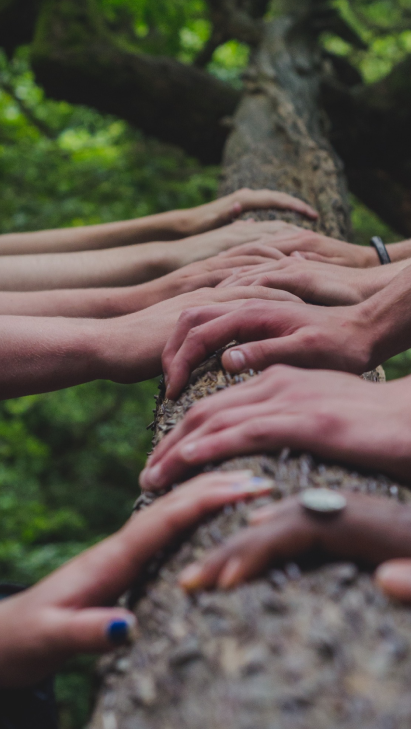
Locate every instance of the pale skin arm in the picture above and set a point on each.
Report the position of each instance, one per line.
(71, 611)
(41, 354)
(118, 301)
(330, 414)
(348, 338)
(370, 529)
(164, 226)
(129, 265)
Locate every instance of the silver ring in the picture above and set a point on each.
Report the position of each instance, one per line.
(322, 501)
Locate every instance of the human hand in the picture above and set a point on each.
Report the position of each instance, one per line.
(333, 415)
(314, 282)
(128, 348)
(205, 245)
(226, 209)
(370, 529)
(67, 612)
(212, 271)
(269, 333)
(294, 241)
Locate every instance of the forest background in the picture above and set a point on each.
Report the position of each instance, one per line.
(69, 461)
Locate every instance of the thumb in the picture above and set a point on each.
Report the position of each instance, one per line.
(260, 355)
(394, 578)
(311, 256)
(95, 630)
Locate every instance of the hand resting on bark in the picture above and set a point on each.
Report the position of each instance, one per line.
(171, 225)
(295, 241)
(73, 609)
(371, 530)
(317, 283)
(41, 354)
(333, 415)
(348, 338)
(117, 301)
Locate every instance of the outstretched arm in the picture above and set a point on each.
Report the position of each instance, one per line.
(41, 354)
(348, 338)
(68, 613)
(164, 226)
(117, 301)
(370, 530)
(129, 265)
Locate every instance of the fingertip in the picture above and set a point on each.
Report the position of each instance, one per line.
(297, 254)
(234, 360)
(237, 209)
(190, 579)
(122, 630)
(231, 574)
(394, 578)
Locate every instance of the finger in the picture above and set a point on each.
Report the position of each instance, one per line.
(254, 436)
(394, 578)
(311, 256)
(189, 319)
(92, 630)
(249, 553)
(252, 199)
(252, 392)
(191, 345)
(253, 249)
(264, 353)
(100, 575)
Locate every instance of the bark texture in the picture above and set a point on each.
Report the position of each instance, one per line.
(305, 646)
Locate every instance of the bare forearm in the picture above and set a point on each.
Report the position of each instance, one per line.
(100, 303)
(388, 314)
(165, 226)
(87, 269)
(45, 354)
(399, 251)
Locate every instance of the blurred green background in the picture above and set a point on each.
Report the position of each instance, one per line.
(69, 461)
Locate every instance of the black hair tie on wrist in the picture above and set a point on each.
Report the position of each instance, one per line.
(382, 253)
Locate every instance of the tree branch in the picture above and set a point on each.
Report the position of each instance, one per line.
(77, 59)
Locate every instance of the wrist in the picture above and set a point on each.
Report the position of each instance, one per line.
(181, 223)
(370, 257)
(383, 330)
(399, 251)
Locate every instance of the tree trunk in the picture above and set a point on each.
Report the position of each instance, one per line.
(314, 647)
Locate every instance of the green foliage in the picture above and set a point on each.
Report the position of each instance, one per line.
(383, 25)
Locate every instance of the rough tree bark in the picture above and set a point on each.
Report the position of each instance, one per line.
(301, 647)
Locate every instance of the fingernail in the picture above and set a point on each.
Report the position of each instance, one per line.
(395, 578)
(190, 577)
(122, 630)
(189, 451)
(254, 485)
(153, 476)
(230, 575)
(237, 359)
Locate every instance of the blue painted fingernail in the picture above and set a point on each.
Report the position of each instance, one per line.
(119, 631)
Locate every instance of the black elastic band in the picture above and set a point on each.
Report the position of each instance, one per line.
(377, 243)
